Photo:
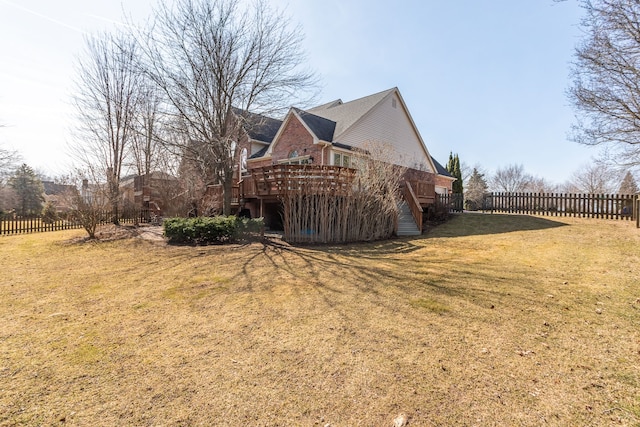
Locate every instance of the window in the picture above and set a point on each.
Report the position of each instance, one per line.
(304, 160)
(343, 160)
(243, 160)
(295, 158)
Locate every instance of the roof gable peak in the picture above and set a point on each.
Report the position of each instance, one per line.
(346, 114)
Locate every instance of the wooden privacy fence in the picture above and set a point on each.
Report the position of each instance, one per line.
(454, 202)
(604, 206)
(15, 224)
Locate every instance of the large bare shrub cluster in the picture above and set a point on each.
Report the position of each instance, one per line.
(354, 204)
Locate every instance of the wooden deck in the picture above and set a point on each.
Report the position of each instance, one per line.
(310, 179)
(425, 192)
(270, 182)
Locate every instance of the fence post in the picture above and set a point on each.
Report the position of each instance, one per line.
(637, 212)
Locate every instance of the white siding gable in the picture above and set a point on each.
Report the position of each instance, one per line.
(390, 123)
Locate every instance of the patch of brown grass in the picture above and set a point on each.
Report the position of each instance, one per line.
(488, 319)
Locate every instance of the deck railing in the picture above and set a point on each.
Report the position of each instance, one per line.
(425, 192)
(310, 179)
(273, 181)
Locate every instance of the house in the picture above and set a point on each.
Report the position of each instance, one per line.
(55, 193)
(157, 192)
(326, 141)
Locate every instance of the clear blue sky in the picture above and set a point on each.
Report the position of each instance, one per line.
(484, 79)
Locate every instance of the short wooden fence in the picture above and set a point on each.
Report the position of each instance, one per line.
(452, 202)
(15, 224)
(604, 206)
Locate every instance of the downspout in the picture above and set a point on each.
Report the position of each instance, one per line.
(325, 144)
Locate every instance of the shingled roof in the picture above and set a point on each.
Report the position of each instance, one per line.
(346, 114)
(441, 169)
(322, 128)
(259, 127)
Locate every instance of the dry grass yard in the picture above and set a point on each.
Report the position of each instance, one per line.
(486, 320)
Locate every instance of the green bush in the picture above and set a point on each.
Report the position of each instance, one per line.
(211, 230)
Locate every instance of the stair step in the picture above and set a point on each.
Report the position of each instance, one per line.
(406, 224)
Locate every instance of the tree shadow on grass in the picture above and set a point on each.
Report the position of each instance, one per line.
(459, 226)
(376, 268)
(407, 267)
(396, 262)
(473, 224)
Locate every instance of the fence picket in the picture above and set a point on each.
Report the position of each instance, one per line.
(603, 206)
(15, 224)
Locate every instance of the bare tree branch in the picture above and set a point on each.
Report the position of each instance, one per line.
(107, 99)
(8, 161)
(510, 179)
(594, 178)
(606, 78)
(212, 59)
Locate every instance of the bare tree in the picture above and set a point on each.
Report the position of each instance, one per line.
(107, 99)
(85, 200)
(594, 178)
(156, 166)
(510, 179)
(540, 185)
(8, 198)
(146, 150)
(211, 59)
(605, 89)
(8, 161)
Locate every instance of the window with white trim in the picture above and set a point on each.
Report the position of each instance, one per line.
(296, 159)
(340, 159)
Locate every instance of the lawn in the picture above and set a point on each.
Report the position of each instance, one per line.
(485, 320)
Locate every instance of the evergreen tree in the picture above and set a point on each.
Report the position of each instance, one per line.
(457, 174)
(450, 164)
(453, 167)
(476, 189)
(628, 185)
(29, 191)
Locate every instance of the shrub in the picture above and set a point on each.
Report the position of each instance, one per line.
(211, 230)
(436, 213)
(49, 214)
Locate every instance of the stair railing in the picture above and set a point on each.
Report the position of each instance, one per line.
(413, 203)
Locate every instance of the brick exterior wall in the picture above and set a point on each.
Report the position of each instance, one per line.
(295, 136)
(444, 182)
(418, 175)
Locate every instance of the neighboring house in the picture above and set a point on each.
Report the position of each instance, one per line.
(330, 137)
(55, 193)
(156, 192)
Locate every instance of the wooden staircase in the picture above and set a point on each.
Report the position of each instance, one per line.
(406, 224)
